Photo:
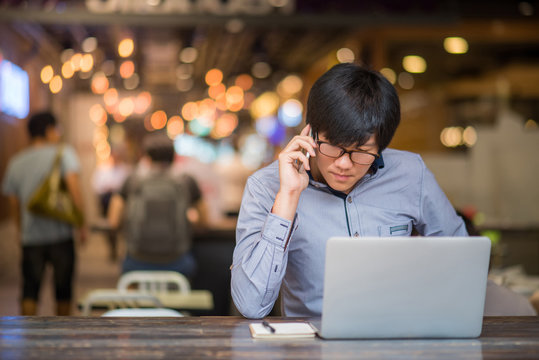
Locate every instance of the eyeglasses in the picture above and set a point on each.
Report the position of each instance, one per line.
(357, 156)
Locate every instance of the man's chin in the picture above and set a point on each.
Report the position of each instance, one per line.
(345, 188)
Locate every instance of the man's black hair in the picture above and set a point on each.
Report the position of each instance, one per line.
(350, 103)
(39, 123)
(159, 148)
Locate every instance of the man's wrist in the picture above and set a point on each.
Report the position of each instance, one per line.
(286, 203)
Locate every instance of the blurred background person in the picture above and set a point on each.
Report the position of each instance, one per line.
(156, 211)
(44, 240)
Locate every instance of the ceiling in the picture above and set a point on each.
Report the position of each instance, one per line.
(291, 38)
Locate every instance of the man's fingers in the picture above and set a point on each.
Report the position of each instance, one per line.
(299, 157)
(305, 130)
(302, 144)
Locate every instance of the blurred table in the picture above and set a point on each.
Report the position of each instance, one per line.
(229, 338)
(213, 248)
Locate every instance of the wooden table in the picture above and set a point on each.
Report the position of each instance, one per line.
(229, 338)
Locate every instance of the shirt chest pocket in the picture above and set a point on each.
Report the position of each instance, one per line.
(396, 229)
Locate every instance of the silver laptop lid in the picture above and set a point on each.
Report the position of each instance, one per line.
(402, 287)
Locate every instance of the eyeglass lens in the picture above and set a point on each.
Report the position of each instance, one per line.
(357, 157)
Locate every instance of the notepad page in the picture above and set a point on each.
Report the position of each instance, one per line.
(283, 329)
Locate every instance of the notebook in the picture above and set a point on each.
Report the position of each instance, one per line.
(281, 330)
(404, 287)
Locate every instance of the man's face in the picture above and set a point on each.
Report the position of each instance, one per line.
(341, 173)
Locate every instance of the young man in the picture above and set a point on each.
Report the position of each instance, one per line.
(341, 181)
(44, 240)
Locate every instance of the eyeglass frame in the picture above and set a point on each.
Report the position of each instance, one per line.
(344, 151)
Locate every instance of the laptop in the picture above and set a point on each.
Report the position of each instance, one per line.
(404, 287)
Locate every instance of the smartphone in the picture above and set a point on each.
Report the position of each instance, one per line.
(308, 154)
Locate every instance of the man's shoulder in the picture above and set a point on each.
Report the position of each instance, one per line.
(401, 158)
(268, 177)
(25, 157)
(269, 173)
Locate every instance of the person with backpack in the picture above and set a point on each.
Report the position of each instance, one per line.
(156, 209)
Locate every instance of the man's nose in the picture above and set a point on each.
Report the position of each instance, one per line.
(344, 161)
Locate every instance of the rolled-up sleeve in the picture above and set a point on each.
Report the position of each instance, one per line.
(261, 254)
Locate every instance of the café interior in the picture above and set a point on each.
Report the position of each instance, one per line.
(228, 81)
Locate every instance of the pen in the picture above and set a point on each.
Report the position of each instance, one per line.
(268, 326)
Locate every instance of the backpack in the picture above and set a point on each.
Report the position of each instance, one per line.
(156, 225)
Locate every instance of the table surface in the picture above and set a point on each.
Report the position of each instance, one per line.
(229, 338)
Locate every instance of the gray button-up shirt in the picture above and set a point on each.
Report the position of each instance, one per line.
(273, 253)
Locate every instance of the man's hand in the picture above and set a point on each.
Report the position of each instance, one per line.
(293, 163)
(82, 235)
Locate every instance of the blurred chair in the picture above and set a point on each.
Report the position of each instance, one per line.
(113, 299)
(170, 287)
(145, 312)
(154, 281)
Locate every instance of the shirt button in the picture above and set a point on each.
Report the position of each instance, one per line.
(349, 199)
(356, 234)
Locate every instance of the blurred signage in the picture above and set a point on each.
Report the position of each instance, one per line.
(215, 7)
(14, 90)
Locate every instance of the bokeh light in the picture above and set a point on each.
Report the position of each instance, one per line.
(89, 44)
(451, 136)
(469, 136)
(345, 55)
(126, 47)
(86, 63)
(110, 97)
(455, 45)
(216, 90)
(188, 55)
(99, 83)
(46, 74)
(190, 110)
(67, 70)
(265, 105)
(289, 86)
(158, 119)
(200, 126)
(175, 126)
(224, 126)
(414, 64)
(132, 82)
(126, 106)
(194, 146)
(98, 115)
(261, 70)
(389, 75)
(142, 102)
(214, 77)
(56, 84)
(244, 81)
(127, 68)
(75, 61)
(406, 80)
(290, 113)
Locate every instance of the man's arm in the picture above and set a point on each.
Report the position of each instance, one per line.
(292, 175)
(264, 227)
(115, 211)
(438, 217)
(73, 186)
(260, 255)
